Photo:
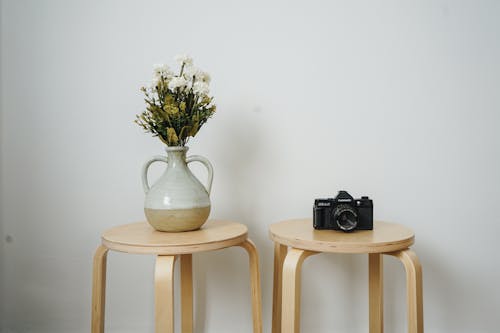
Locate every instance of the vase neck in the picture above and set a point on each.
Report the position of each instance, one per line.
(176, 156)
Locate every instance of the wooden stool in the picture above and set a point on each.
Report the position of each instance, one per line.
(304, 240)
(142, 238)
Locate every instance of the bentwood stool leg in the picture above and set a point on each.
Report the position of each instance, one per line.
(376, 292)
(413, 288)
(99, 289)
(164, 294)
(290, 320)
(187, 293)
(279, 257)
(253, 256)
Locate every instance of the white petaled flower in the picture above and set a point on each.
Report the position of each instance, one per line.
(161, 70)
(204, 76)
(190, 71)
(156, 79)
(200, 88)
(154, 82)
(184, 59)
(177, 82)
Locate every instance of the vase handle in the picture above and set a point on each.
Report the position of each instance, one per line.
(145, 183)
(208, 165)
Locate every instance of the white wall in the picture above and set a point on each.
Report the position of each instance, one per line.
(394, 99)
(2, 243)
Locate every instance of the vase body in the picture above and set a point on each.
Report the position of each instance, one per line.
(178, 201)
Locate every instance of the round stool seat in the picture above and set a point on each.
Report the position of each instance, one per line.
(142, 238)
(385, 237)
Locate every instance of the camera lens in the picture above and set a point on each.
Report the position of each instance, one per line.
(345, 217)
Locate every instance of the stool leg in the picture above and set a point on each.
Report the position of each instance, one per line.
(279, 257)
(290, 321)
(164, 294)
(99, 289)
(413, 289)
(187, 293)
(249, 246)
(376, 292)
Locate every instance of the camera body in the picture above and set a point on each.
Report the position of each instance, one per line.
(343, 213)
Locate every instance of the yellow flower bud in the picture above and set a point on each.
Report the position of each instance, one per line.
(182, 106)
(171, 109)
(172, 136)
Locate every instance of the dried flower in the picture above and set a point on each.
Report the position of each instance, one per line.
(172, 136)
(184, 59)
(176, 105)
(162, 70)
(177, 82)
(193, 73)
(200, 88)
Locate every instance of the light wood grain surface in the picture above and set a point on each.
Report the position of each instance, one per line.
(414, 290)
(290, 316)
(142, 238)
(280, 252)
(303, 240)
(99, 290)
(255, 288)
(164, 294)
(385, 237)
(187, 293)
(376, 292)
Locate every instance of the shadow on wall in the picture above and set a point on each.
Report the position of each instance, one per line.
(449, 291)
(237, 161)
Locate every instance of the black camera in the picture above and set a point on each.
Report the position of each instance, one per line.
(343, 213)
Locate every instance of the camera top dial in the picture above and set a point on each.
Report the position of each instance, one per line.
(345, 217)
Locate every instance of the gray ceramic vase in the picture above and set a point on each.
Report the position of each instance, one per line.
(177, 201)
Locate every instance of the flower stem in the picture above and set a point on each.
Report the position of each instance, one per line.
(182, 69)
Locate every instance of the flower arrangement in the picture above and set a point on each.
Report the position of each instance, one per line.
(176, 105)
